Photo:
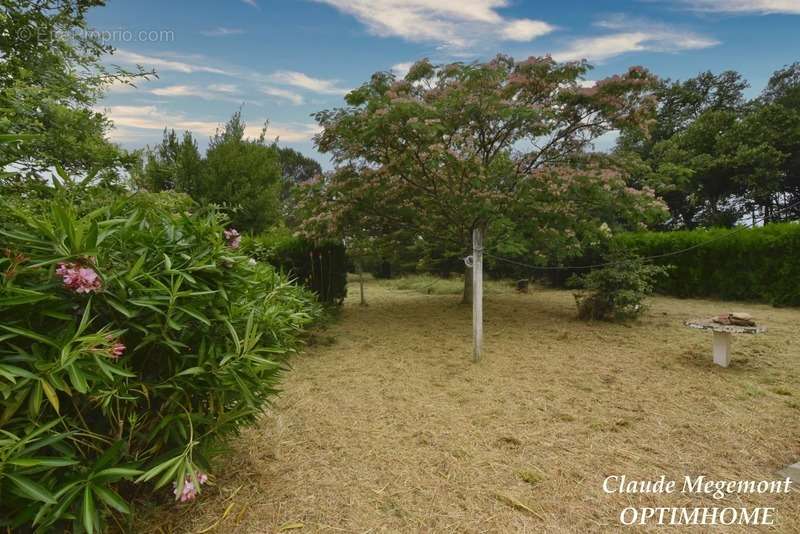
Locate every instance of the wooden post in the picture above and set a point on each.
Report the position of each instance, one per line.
(361, 282)
(477, 293)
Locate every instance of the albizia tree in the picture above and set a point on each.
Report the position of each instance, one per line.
(499, 144)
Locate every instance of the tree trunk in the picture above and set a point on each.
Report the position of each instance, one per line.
(467, 296)
(361, 283)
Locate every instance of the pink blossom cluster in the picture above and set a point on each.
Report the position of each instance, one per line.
(189, 491)
(78, 278)
(116, 350)
(113, 348)
(232, 237)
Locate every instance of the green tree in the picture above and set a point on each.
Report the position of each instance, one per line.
(51, 75)
(716, 158)
(695, 192)
(296, 168)
(244, 174)
(784, 87)
(173, 165)
(449, 148)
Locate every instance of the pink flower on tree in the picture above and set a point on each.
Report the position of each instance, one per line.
(232, 237)
(79, 279)
(189, 491)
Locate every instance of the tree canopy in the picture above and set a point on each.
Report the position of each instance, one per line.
(714, 156)
(503, 143)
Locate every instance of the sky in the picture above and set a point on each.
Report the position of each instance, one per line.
(282, 60)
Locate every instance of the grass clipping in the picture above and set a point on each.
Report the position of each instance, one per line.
(384, 424)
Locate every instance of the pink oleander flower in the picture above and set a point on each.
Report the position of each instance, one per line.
(116, 350)
(232, 237)
(79, 279)
(189, 491)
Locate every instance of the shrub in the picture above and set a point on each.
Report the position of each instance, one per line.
(320, 266)
(616, 292)
(744, 264)
(133, 343)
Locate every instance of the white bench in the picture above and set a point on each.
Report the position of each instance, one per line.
(722, 336)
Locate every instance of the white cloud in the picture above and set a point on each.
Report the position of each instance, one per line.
(401, 69)
(177, 90)
(163, 63)
(251, 3)
(132, 122)
(228, 88)
(304, 81)
(222, 92)
(222, 32)
(286, 94)
(632, 35)
(746, 6)
(452, 23)
(525, 30)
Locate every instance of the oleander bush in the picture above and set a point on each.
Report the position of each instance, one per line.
(135, 339)
(739, 264)
(320, 266)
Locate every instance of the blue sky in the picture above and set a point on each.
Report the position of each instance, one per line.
(282, 60)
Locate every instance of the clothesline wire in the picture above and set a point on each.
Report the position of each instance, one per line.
(645, 259)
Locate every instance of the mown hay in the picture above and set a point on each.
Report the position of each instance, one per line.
(391, 428)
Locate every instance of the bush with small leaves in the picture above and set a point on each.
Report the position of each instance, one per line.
(617, 291)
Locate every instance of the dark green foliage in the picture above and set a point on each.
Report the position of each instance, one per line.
(743, 264)
(715, 157)
(85, 428)
(616, 292)
(244, 174)
(295, 170)
(320, 266)
(173, 165)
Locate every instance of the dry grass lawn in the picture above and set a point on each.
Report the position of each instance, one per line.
(386, 426)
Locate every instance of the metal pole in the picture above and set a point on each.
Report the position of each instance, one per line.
(477, 293)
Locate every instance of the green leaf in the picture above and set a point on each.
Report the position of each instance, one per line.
(89, 511)
(51, 394)
(117, 473)
(35, 400)
(30, 334)
(18, 296)
(137, 266)
(234, 335)
(17, 372)
(154, 471)
(191, 371)
(195, 313)
(35, 462)
(111, 498)
(77, 379)
(114, 303)
(31, 489)
(86, 319)
(91, 237)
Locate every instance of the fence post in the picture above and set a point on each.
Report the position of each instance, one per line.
(477, 293)
(361, 282)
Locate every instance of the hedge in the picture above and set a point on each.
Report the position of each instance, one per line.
(738, 264)
(320, 266)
